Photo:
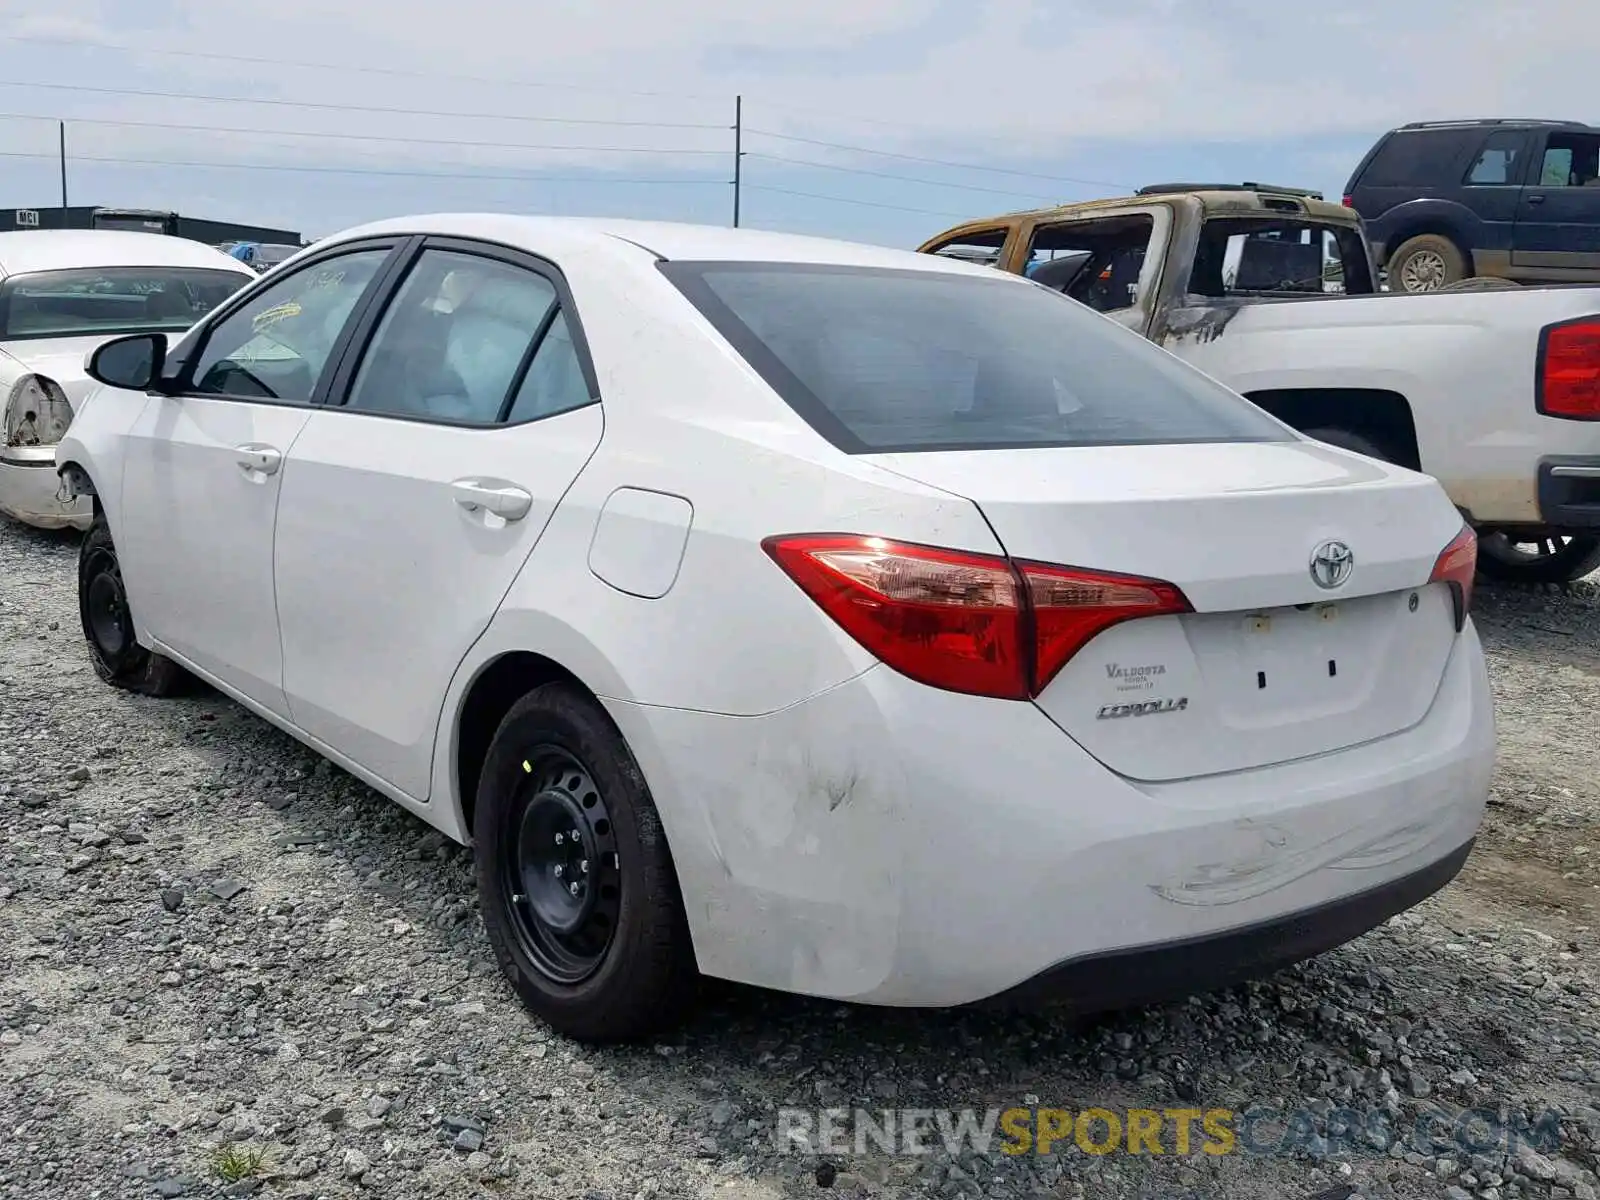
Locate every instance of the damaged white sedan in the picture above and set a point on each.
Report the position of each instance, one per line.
(63, 293)
(820, 617)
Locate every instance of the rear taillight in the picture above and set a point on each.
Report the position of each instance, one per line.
(1569, 370)
(1348, 202)
(973, 623)
(1456, 565)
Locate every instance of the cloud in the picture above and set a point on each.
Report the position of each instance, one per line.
(1066, 88)
(1035, 76)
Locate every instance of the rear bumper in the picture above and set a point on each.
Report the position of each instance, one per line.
(30, 490)
(888, 843)
(1150, 974)
(1569, 491)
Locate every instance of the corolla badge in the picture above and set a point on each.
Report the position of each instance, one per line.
(1331, 564)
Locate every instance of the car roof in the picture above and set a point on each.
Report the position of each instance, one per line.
(1505, 122)
(1232, 201)
(64, 249)
(558, 236)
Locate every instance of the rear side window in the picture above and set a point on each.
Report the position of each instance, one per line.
(1500, 161)
(1419, 158)
(982, 247)
(900, 360)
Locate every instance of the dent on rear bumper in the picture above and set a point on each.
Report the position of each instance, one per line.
(888, 843)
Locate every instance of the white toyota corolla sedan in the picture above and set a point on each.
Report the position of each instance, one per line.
(62, 293)
(822, 617)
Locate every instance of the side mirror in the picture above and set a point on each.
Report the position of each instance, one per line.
(132, 362)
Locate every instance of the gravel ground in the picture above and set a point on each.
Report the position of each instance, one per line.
(227, 967)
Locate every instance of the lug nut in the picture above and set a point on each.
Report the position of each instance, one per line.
(573, 888)
(584, 866)
(558, 871)
(558, 839)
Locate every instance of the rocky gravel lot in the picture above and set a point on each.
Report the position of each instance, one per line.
(228, 968)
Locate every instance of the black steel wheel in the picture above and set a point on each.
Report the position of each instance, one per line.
(580, 898)
(107, 620)
(564, 882)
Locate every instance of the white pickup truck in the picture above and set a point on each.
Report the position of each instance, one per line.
(1491, 388)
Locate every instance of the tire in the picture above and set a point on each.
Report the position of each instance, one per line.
(1427, 263)
(1346, 440)
(108, 626)
(597, 967)
(1557, 559)
(1481, 283)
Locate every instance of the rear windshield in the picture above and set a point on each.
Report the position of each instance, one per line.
(879, 361)
(111, 300)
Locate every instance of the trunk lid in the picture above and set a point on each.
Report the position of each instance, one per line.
(1270, 666)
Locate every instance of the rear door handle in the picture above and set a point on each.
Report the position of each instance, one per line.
(256, 459)
(507, 503)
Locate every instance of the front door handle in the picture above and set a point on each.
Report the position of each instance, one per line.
(1535, 199)
(507, 503)
(256, 459)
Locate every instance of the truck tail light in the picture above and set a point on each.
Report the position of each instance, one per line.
(1347, 201)
(973, 623)
(1456, 565)
(1569, 370)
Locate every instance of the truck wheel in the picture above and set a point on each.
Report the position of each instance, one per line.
(1555, 559)
(1346, 440)
(1481, 283)
(1427, 263)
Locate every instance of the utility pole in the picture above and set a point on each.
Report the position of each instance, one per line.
(738, 154)
(63, 133)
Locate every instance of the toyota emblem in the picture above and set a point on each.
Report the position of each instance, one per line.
(1331, 564)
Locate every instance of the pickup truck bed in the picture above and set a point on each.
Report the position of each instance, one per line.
(1494, 393)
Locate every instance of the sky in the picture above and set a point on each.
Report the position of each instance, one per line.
(875, 120)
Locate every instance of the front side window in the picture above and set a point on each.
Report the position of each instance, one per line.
(83, 302)
(1571, 160)
(451, 344)
(1096, 262)
(881, 360)
(276, 346)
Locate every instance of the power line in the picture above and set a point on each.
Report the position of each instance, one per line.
(802, 162)
(324, 106)
(927, 212)
(854, 118)
(346, 68)
(349, 68)
(491, 81)
(467, 176)
(936, 162)
(189, 127)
